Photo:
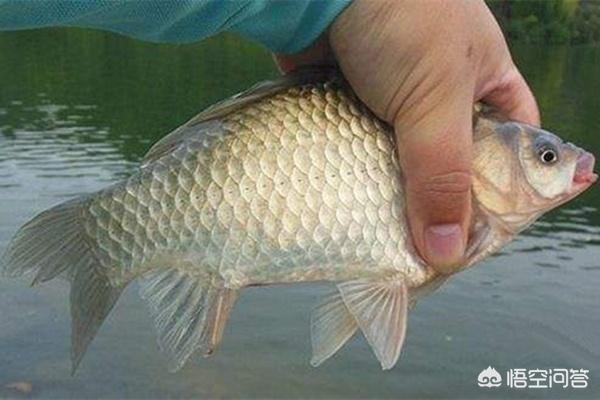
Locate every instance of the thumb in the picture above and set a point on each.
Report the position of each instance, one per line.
(435, 152)
(512, 96)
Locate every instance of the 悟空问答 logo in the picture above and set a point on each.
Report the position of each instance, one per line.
(489, 377)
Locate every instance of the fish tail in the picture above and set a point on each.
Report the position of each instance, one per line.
(48, 245)
(54, 244)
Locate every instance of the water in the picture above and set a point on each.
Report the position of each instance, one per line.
(79, 109)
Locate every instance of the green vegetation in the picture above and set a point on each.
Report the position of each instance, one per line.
(549, 21)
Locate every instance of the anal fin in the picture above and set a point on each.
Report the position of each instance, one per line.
(218, 313)
(190, 312)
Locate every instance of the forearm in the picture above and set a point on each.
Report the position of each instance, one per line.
(283, 26)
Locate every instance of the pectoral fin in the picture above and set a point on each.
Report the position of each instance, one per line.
(331, 326)
(380, 309)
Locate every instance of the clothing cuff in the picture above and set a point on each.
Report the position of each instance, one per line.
(288, 26)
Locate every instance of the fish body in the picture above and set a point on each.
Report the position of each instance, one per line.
(291, 181)
(303, 185)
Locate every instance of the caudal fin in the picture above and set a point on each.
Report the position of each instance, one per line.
(52, 244)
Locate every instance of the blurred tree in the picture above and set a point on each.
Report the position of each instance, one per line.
(586, 25)
(549, 21)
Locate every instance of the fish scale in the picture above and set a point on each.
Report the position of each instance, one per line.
(263, 199)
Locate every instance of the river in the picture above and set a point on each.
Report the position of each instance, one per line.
(78, 109)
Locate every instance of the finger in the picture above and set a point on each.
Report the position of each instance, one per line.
(317, 54)
(513, 97)
(435, 154)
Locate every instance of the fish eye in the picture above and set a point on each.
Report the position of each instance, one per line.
(548, 155)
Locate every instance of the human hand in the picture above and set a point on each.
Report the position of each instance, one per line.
(420, 66)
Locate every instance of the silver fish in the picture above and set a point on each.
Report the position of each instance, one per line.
(292, 181)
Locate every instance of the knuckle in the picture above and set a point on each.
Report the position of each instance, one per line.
(451, 183)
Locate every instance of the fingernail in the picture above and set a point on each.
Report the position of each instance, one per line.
(444, 245)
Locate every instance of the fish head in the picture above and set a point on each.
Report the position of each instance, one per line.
(521, 171)
(556, 171)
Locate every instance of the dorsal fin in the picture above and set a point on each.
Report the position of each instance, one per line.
(264, 89)
(208, 120)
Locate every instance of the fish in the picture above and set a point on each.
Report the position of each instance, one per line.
(294, 180)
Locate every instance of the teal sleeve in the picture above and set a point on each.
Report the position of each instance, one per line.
(285, 26)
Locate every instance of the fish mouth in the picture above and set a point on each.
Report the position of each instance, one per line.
(584, 175)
